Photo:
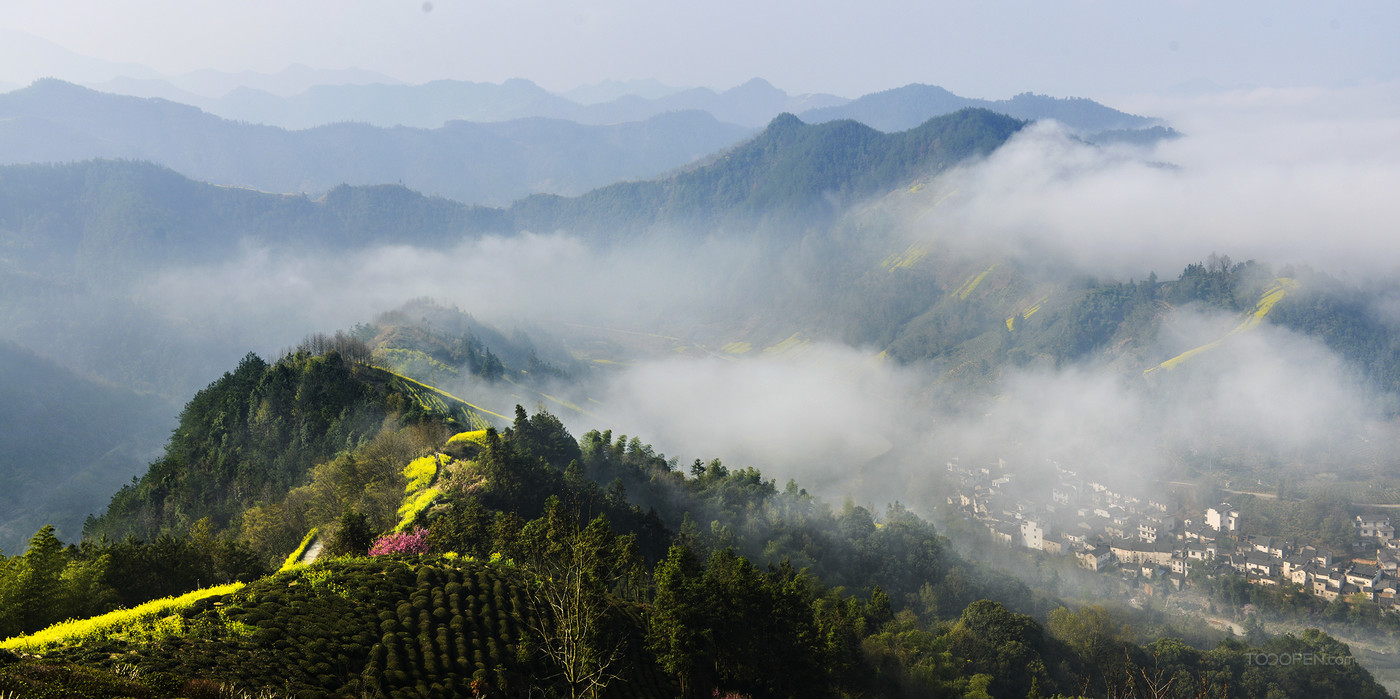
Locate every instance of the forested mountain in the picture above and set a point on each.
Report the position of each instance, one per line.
(478, 163)
(793, 173)
(531, 562)
(67, 442)
(254, 434)
(67, 227)
(905, 107)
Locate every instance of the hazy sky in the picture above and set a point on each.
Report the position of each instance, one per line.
(987, 48)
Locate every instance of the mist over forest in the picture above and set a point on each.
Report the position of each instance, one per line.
(780, 301)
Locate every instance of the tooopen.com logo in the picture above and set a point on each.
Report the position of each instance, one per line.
(1298, 659)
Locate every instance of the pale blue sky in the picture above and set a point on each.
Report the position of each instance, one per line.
(983, 48)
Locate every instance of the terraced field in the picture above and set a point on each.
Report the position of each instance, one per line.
(472, 417)
(1027, 312)
(972, 283)
(380, 627)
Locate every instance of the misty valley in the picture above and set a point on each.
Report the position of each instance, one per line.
(462, 389)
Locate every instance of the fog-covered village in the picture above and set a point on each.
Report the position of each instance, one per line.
(1148, 540)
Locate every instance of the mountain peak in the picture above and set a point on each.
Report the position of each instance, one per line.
(755, 85)
(55, 85)
(905, 107)
(785, 121)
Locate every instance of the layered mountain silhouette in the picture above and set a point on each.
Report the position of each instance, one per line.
(54, 121)
(906, 107)
(99, 217)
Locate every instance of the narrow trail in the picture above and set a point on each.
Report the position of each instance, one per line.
(312, 552)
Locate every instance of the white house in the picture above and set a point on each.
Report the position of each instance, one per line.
(1223, 518)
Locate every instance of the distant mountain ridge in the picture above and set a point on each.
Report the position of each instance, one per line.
(752, 104)
(99, 217)
(906, 107)
(432, 104)
(792, 170)
(496, 163)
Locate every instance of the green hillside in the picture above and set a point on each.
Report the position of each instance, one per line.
(506, 588)
(257, 432)
(351, 627)
(993, 315)
(526, 559)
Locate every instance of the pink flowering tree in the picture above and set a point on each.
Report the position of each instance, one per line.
(401, 542)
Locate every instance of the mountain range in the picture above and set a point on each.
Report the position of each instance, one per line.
(492, 163)
(478, 143)
(432, 104)
(106, 218)
(752, 104)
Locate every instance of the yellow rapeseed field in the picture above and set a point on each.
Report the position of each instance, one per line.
(149, 619)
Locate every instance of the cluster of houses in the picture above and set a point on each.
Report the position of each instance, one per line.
(1153, 538)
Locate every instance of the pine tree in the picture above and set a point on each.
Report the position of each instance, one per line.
(31, 593)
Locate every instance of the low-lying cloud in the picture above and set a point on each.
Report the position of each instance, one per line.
(809, 413)
(1267, 399)
(1302, 175)
(1270, 397)
(278, 297)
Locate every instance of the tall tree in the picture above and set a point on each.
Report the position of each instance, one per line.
(574, 569)
(31, 592)
(678, 629)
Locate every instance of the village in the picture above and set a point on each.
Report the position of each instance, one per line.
(1153, 538)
